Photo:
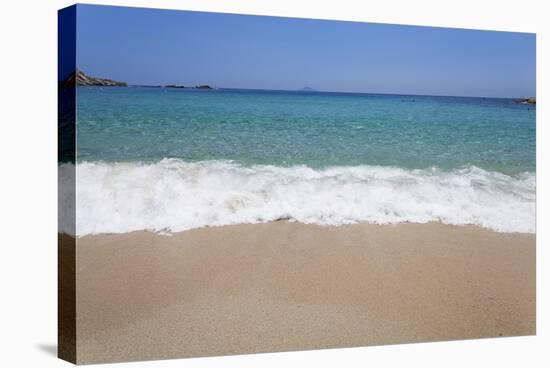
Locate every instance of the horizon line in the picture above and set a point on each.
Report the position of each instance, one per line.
(324, 91)
(303, 89)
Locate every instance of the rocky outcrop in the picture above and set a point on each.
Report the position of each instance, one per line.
(202, 86)
(81, 79)
(528, 101)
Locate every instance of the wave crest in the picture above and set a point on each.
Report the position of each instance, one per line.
(174, 195)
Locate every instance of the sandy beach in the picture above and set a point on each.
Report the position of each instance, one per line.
(288, 286)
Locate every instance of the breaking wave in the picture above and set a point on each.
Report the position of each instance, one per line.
(174, 195)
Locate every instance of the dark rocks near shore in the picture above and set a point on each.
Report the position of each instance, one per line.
(79, 78)
(527, 101)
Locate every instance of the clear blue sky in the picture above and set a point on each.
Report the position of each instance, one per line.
(148, 46)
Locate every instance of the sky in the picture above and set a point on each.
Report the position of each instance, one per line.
(157, 47)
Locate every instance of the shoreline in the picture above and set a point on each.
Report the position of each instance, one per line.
(286, 220)
(284, 286)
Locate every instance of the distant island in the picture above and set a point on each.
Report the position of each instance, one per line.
(307, 89)
(202, 86)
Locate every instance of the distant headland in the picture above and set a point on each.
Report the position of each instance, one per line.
(79, 78)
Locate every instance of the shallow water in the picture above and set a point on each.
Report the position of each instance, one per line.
(171, 159)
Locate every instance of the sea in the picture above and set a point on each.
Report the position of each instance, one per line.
(168, 160)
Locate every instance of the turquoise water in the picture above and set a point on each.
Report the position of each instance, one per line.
(172, 160)
(314, 129)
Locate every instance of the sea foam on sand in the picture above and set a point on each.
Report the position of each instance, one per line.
(175, 195)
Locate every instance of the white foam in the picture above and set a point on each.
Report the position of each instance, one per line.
(174, 195)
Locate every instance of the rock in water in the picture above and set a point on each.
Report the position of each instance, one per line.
(527, 101)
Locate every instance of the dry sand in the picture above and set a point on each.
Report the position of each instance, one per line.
(288, 286)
